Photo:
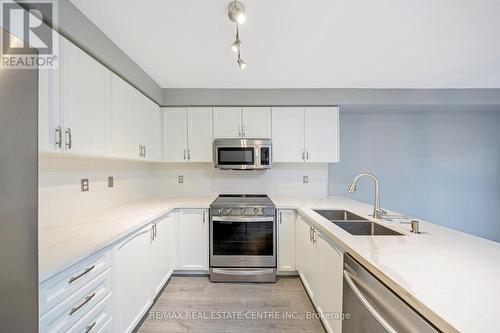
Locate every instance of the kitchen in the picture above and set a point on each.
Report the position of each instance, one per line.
(323, 177)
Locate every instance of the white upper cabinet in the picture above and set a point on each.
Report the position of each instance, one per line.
(84, 102)
(200, 136)
(124, 120)
(151, 134)
(288, 134)
(322, 134)
(308, 134)
(175, 134)
(227, 122)
(187, 134)
(248, 122)
(49, 116)
(135, 123)
(193, 239)
(256, 122)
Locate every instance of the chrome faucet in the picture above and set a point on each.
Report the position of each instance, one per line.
(377, 212)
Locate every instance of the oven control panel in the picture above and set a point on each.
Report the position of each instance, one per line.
(243, 211)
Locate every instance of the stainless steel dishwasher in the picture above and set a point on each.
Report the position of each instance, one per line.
(373, 307)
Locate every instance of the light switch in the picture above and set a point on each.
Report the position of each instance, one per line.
(180, 179)
(305, 179)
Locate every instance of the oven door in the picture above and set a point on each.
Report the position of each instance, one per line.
(242, 242)
(227, 157)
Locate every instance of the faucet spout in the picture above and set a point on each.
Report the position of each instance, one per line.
(377, 212)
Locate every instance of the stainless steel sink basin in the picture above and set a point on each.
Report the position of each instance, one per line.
(363, 228)
(339, 215)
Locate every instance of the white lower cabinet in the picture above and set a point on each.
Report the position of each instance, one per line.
(131, 276)
(320, 266)
(193, 239)
(161, 260)
(329, 301)
(308, 256)
(286, 240)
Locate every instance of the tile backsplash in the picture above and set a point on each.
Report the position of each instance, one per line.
(61, 198)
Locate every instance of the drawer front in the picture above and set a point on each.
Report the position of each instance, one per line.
(96, 320)
(58, 288)
(69, 311)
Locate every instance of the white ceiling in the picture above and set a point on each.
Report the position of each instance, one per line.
(309, 43)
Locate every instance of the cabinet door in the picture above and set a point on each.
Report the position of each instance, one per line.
(256, 122)
(309, 260)
(85, 101)
(131, 273)
(49, 117)
(286, 240)
(200, 136)
(173, 231)
(193, 239)
(288, 134)
(152, 130)
(227, 122)
(175, 135)
(330, 282)
(125, 121)
(322, 134)
(160, 255)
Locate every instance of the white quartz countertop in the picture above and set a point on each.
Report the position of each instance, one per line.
(448, 276)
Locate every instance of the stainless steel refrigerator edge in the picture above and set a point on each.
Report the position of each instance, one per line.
(18, 200)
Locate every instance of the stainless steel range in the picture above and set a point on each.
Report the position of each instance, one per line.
(242, 238)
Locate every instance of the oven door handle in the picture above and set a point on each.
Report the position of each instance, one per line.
(243, 272)
(242, 219)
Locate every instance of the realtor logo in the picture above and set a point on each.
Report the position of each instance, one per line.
(27, 41)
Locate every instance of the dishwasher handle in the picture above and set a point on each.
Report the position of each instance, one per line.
(348, 277)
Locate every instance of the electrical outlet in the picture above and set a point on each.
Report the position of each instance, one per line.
(180, 179)
(84, 185)
(305, 179)
(111, 181)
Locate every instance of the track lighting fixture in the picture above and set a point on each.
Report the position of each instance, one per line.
(237, 14)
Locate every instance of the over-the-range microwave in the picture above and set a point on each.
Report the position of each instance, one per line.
(242, 154)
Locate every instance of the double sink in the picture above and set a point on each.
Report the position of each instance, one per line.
(355, 224)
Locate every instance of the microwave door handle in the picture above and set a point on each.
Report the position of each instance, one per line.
(378, 317)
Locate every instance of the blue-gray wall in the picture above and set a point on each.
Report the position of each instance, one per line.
(441, 164)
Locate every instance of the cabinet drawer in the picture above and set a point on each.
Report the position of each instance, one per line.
(69, 311)
(60, 287)
(96, 320)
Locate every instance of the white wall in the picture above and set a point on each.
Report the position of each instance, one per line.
(60, 197)
(202, 179)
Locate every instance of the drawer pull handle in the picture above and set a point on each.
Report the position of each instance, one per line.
(74, 278)
(76, 308)
(90, 327)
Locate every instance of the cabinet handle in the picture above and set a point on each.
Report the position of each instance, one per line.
(140, 150)
(184, 154)
(204, 216)
(239, 131)
(69, 141)
(144, 151)
(310, 233)
(307, 155)
(155, 230)
(90, 327)
(189, 154)
(152, 234)
(315, 238)
(58, 141)
(303, 155)
(281, 217)
(243, 131)
(76, 308)
(87, 270)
